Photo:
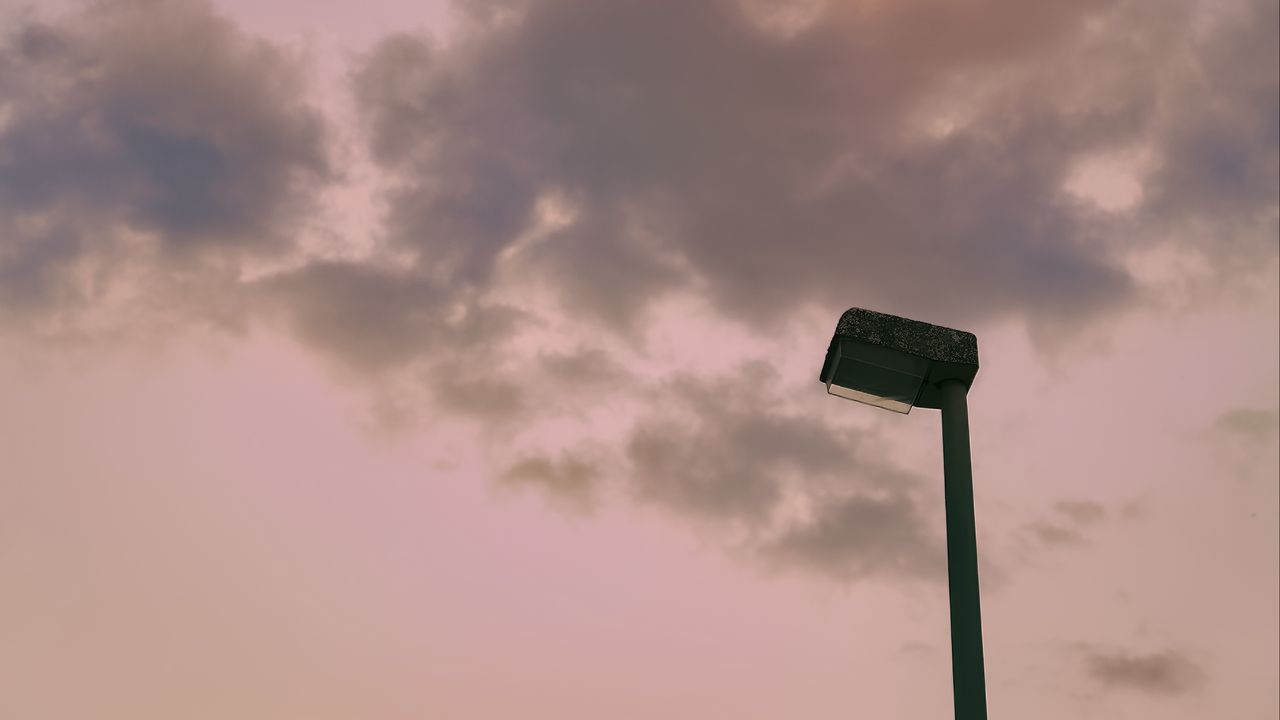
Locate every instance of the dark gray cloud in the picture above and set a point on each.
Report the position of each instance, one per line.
(873, 153)
(700, 147)
(864, 534)
(376, 319)
(912, 154)
(146, 142)
(1215, 188)
(722, 448)
(1165, 673)
(808, 494)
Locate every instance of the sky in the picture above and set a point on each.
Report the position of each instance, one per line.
(404, 360)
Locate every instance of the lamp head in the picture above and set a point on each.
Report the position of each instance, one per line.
(896, 363)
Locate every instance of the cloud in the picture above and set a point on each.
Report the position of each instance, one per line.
(375, 319)
(720, 448)
(558, 169)
(864, 534)
(916, 154)
(1167, 673)
(1051, 534)
(1069, 521)
(767, 162)
(700, 148)
(1081, 512)
(587, 161)
(1244, 441)
(804, 493)
(147, 146)
(583, 366)
(569, 477)
(1252, 424)
(1215, 186)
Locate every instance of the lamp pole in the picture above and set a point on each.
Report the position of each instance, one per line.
(967, 676)
(895, 363)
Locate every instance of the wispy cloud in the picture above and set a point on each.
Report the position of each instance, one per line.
(568, 477)
(1166, 673)
(1068, 522)
(1251, 424)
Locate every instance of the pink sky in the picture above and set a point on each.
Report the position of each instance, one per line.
(469, 372)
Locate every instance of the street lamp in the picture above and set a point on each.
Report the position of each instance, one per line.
(896, 363)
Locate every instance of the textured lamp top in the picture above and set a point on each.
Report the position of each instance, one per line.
(909, 336)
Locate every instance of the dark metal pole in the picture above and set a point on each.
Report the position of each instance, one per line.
(967, 676)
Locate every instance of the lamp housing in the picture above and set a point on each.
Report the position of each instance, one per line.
(895, 363)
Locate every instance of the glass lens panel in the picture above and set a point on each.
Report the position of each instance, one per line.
(874, 384)
(895, 405)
